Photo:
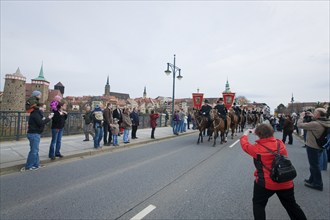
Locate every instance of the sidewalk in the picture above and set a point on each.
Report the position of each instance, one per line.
(13, 154)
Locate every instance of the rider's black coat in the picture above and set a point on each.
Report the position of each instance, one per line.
(221, 109)
(205, 110)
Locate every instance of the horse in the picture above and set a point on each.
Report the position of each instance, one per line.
(242, 122)
(219, 125)
(201, 124)
(252, 119)
(234, 122)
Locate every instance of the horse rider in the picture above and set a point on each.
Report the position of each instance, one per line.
(205, 111)
(237, 110)
(222, 110)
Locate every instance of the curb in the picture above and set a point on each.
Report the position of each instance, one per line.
(87, 153)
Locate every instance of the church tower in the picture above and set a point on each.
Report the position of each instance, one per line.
(145, 93)
(227, 87)
(59, 86)
(14, 92)
(42, 85)
(107, 88)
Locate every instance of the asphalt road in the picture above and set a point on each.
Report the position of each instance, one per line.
(171, 179)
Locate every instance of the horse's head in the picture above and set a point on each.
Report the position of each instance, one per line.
(213, 113)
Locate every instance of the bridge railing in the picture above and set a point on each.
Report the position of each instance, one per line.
(14, 125)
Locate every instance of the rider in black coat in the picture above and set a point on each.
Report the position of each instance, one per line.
(205, 111)
(222, 110)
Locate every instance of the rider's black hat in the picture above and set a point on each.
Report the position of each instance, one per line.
(220, 99)
(206, 101)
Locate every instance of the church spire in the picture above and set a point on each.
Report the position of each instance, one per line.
(41, 74)
(145, 92)
(227, 86)
(107, 88)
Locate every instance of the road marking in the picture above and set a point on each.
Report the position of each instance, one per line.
(143, 213)
(234, 144)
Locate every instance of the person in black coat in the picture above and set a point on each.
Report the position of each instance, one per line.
(135, 122)
(58, 123)
(36, 126)
(222, 110)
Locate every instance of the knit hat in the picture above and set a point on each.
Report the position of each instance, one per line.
(36, 93)
(97, 108)
(57, 98)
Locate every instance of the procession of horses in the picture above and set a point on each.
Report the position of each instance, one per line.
(215, 126)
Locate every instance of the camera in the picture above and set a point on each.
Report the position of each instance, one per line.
(250, 131)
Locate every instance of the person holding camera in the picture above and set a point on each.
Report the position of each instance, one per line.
(314, 129)
(153, 123)
(88, 124)
(264, 186)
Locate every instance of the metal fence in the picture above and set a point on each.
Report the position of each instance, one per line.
(14, 125)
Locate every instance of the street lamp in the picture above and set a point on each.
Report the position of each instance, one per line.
(168, 72)
(292, 100)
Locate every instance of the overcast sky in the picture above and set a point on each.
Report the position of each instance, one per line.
(267, 49)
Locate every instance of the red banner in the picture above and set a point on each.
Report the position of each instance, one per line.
(198, 100)
(228, 99)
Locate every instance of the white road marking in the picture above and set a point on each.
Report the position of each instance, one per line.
(234, 144)
(143, 213)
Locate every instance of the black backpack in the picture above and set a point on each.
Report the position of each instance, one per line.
(282, 169)
(323, 139)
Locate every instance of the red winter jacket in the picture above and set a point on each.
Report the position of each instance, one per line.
(262, 174)
(153, 118)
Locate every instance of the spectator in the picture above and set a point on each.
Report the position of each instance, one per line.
(287, 129)
(126, 124)
(58, 122)
(175, 123)
(314, 129)
(115, 131)
(98, 120)
(264, 186)
(307, 118)
(135, 122)
(107, 116)
(189, 119)
(153, 123)
(36, 126)
(166, 118)
(32, 102)
(117, 113)
(88, 123)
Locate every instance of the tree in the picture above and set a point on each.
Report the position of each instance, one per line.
(241, 100)
(281, 109)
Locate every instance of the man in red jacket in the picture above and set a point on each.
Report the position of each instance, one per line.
(264, 186)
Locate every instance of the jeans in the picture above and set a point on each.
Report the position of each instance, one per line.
(125, 136)
(315, 177)
(56, 140)
(33, 157)
(115, 139)
(261, 196)
(175, 127)
(98, 135)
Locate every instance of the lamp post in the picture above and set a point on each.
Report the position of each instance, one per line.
(168, 72)
(292, 100)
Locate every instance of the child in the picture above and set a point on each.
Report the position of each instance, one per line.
(33, 101)
(54, 103)
(115, 131)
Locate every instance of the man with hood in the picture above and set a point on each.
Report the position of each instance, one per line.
(314, 129)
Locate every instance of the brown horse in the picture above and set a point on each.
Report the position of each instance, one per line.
(242, 122)
(252, 119)
(218, 124)
(234, 122)
(201, 123)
